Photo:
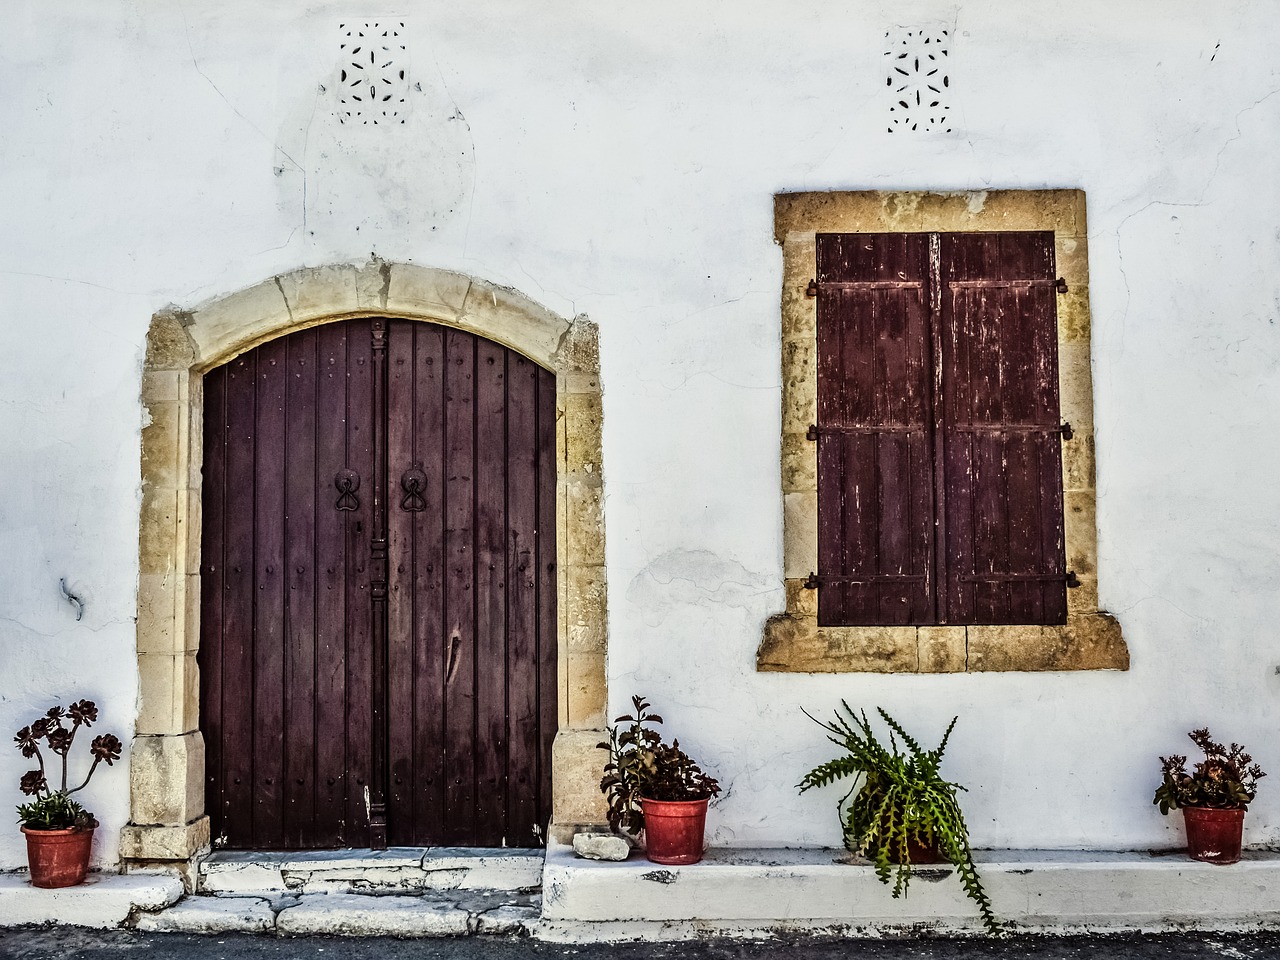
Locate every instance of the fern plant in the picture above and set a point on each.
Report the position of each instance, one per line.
(898, 800)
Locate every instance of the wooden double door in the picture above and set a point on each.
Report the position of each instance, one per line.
(378, 615)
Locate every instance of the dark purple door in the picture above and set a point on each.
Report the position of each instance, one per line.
(378, 642)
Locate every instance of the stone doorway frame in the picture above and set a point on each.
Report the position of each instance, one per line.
(167, 813)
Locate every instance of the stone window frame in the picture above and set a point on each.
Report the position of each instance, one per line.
(168, 824)
(793, 641)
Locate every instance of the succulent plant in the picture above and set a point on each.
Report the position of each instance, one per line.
(53, 808)
(1227, 778)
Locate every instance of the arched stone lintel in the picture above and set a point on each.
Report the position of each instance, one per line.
(167, 820)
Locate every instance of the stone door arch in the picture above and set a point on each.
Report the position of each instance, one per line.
(167, 812)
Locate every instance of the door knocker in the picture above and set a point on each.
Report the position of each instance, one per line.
(414, 483)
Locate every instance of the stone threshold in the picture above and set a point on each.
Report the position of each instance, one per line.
(397, 869)
(755, 892)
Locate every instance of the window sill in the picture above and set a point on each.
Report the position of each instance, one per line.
(794, 643)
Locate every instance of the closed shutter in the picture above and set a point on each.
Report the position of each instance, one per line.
(939, 465)
(1001, 429)
(875, 487)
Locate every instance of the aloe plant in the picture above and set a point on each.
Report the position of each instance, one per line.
(898, 797)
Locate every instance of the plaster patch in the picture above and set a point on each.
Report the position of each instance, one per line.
(698, 578)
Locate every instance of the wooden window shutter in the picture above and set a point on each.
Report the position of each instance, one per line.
(874, 430)
(1001, 433)
(939, 457)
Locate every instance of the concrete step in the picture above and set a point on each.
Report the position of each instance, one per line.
(429, 914)
(103, 900)
(403, 870)
(745, 892)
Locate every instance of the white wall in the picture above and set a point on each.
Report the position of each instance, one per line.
(621, 161)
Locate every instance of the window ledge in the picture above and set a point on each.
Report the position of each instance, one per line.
(794, 643)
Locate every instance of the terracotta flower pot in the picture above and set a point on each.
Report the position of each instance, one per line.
(673, 830)
(58, 858)
(1213, 835)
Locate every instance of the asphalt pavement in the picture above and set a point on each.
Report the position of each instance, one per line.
(71, 943)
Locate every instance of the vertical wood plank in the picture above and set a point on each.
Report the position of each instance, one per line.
(460, 637)
(522, 591)
(212, 592)
(269, 722)
(300, 506)
(331, 558)
(238, 617)
(359, 609)
(401, 636)
(491, 743)
(548, 583)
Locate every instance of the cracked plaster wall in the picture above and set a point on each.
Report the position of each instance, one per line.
(622, 163)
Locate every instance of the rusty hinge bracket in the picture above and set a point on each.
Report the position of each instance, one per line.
(1065, 430)
(1072, 580)
(812, 432)
(811, 581)
(811, 290)
(1060, 285)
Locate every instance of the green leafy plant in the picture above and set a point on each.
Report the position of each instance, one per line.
(898, 801)
(641, 764)
(53, 808)
(1227, 778)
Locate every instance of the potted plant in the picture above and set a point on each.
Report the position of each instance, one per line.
(655, 787)
(59, 830)
(1213, 797)
(899, 810)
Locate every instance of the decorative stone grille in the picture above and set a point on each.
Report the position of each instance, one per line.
(373, 79)
(918, 79)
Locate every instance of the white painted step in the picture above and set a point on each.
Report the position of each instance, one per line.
(742, 890)
(396, 870)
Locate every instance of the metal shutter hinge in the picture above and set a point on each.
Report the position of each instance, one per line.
(812, 432)
(1060, 285)
(1065, 430)
(1072, 580)
(811, 582)
(811, 290)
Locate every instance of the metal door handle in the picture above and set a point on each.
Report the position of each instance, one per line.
(348, 482)
(414, 483)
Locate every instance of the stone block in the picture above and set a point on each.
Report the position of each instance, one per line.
(798, 645)
(502, 314)
(157, 612)
(600, 846)
(1075, 385)
(1090, 642)
(154, 842)
(577, 764)
(205, 915)
(229, 325)
(169, 691)
(507, 920)
(163, 437)
(583, 424)
(1078, 467)
(799, 463)
(1073, 315)
(585, 607)
(586, 689)
(352, 915)
(169, 346)
(1071, 254)
(419, 291)
(799, 534)
(1084, 598)
(1079, 516)
(584, 515)
(799, 385)
(158, 531)
(801, 601)
(166, 781)
(579, 350)
(942, 649)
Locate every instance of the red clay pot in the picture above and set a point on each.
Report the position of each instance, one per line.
(58, 858)
(1213, 835)
(673, 830)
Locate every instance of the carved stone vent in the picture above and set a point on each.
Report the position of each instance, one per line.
(373, 81)
(918, 79)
